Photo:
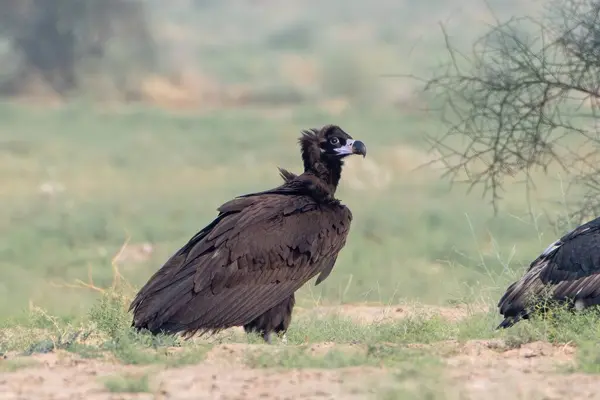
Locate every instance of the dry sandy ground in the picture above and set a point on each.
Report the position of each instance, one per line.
(476, 369)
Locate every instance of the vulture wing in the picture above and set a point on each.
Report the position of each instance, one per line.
(570, 267)
(257, 252)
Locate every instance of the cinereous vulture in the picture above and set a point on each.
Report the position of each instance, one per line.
(567, 272)
(244, 267)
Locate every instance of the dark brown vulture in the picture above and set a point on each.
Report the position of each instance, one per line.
(567, 272)
(244, 267)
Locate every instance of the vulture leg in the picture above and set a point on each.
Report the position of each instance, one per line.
(276, 319)
(267, 337)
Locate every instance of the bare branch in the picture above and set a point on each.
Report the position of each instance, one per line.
(520, 97)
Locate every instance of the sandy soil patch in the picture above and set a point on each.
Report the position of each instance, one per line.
(221, 376)
(369, 314)
(475, 369)
(490, 370)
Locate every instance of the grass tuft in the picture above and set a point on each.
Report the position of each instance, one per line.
(16, 364)
(340, 329)
(110, 317)
(127, 384)
(376, 355)
(559, 325)
(106, 330)
(109, 314)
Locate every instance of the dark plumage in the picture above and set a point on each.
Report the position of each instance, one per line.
(568, 271)
(244, 267)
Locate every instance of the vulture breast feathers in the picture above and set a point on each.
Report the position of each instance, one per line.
(259, 250)
(568, 271)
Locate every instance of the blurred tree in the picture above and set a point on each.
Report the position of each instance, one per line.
(527, 96)
(54, 37)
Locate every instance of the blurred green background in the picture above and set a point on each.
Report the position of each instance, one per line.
(138, 119)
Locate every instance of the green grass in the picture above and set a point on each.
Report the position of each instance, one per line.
(143, 175)
(389, 343)
(127, 384)
(150, 176)
(409, 352)
(105, 331)
(413, 372)
(373, 355)
(560, 326)
(343, 330)
(110, 319)
(15, 365)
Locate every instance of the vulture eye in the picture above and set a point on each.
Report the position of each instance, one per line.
(334, 140)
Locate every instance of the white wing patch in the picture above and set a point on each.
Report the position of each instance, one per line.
(555, 245)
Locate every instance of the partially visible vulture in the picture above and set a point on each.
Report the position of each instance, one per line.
(244, 267)
(567, 272)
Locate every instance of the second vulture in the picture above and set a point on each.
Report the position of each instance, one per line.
(567, 272)
(245, 266)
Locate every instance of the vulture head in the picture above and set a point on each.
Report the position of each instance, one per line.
(323, 151)
(329, 144)
(335, 143)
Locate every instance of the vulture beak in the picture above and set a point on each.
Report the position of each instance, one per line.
(359, 147)
(352, 147)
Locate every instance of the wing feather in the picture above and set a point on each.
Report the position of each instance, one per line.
(258, 252)
(568, 269)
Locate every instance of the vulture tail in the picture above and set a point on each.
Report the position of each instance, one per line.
(508, 322)
(513, 319)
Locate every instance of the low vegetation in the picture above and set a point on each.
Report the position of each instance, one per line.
(127, 384)
(411, 353)
(16, 364)
(94, 201)
(101, 226)
(106, 331)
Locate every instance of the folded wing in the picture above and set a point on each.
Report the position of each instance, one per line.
(257, 252)
(568, 270)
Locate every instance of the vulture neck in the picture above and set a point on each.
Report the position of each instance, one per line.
(328, 170)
